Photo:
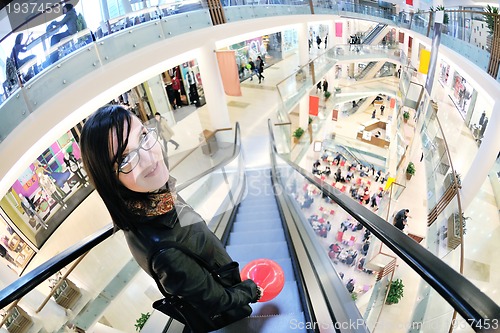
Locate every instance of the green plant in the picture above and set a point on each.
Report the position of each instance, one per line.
(139, 323)
(298, 132)
(406, 115)
(410, 168)
(490, 19)
(310, 121)
(327, 94)
(396, 292)
(354, 296)
(446, 18)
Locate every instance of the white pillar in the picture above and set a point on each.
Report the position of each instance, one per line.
(484, 159)
(304, 112)
(331, 34)
(212, 86)
(303, 36)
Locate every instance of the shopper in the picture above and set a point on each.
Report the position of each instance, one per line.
(69, 21)
(19, 47)
(400, 220)
(252, 68)
(164, 131)
(125, 164)
(325, 85)
(259, 65)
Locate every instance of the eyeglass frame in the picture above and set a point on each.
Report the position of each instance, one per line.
(149, 130)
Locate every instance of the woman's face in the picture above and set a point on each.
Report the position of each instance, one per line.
(151, 173)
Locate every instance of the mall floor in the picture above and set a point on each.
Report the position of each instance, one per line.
(252, 110)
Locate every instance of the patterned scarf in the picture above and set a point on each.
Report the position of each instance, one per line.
(157, 203)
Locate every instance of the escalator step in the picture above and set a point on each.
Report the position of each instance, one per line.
(285, 264)
(248, 225)
(265, 207)
(287, 301)
(291, 322)
(256, 236)
(244, 218)
(258, 197)
(258, 215)
(249, 252)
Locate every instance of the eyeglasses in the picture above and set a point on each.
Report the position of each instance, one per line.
(130, 161)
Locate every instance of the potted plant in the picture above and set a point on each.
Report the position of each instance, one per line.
(297, 134)
(327, 95)
(139, 323)
(354, 296)
(395, 292)
(406, 116)
(490, 19)
(410, 170)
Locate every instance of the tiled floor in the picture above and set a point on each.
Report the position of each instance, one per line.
(260, 102)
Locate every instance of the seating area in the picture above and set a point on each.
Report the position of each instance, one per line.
(345, 240)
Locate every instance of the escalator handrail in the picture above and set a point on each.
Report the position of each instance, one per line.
(467, 299)
(32, 279)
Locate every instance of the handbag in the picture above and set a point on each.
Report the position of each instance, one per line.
(196, 319)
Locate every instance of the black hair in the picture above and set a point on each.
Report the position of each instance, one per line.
(157, 114)
(68, 7)
(100, 161)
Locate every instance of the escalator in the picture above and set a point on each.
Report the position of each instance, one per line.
(257, 233)
(371, 37)
(371, 71)
(269, 224)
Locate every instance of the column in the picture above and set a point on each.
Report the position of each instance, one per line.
(331, 34)
(484, 159)
(303, 37)
(304, 112)
(212, 86)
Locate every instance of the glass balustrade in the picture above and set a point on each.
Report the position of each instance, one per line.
(362, 263)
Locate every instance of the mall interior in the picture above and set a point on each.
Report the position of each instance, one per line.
(362, 110)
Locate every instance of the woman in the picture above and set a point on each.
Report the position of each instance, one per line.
(126, 165)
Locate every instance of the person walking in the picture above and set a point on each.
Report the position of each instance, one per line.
(318, 41)
(252, 68)
(164, 131)
(326, 41)
(259, 64)
(325, 85)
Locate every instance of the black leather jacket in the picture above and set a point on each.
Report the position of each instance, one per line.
(180, 274)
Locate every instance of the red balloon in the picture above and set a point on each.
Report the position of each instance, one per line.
(267, 274)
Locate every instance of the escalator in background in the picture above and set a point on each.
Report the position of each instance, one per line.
(372, 35)
(257, 232)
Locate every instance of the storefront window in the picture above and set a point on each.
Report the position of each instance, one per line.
(43, 195)
(461, 94)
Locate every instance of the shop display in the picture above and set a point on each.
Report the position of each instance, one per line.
(462, 94)
(444, 73)
(37, 203)
(192, 83)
